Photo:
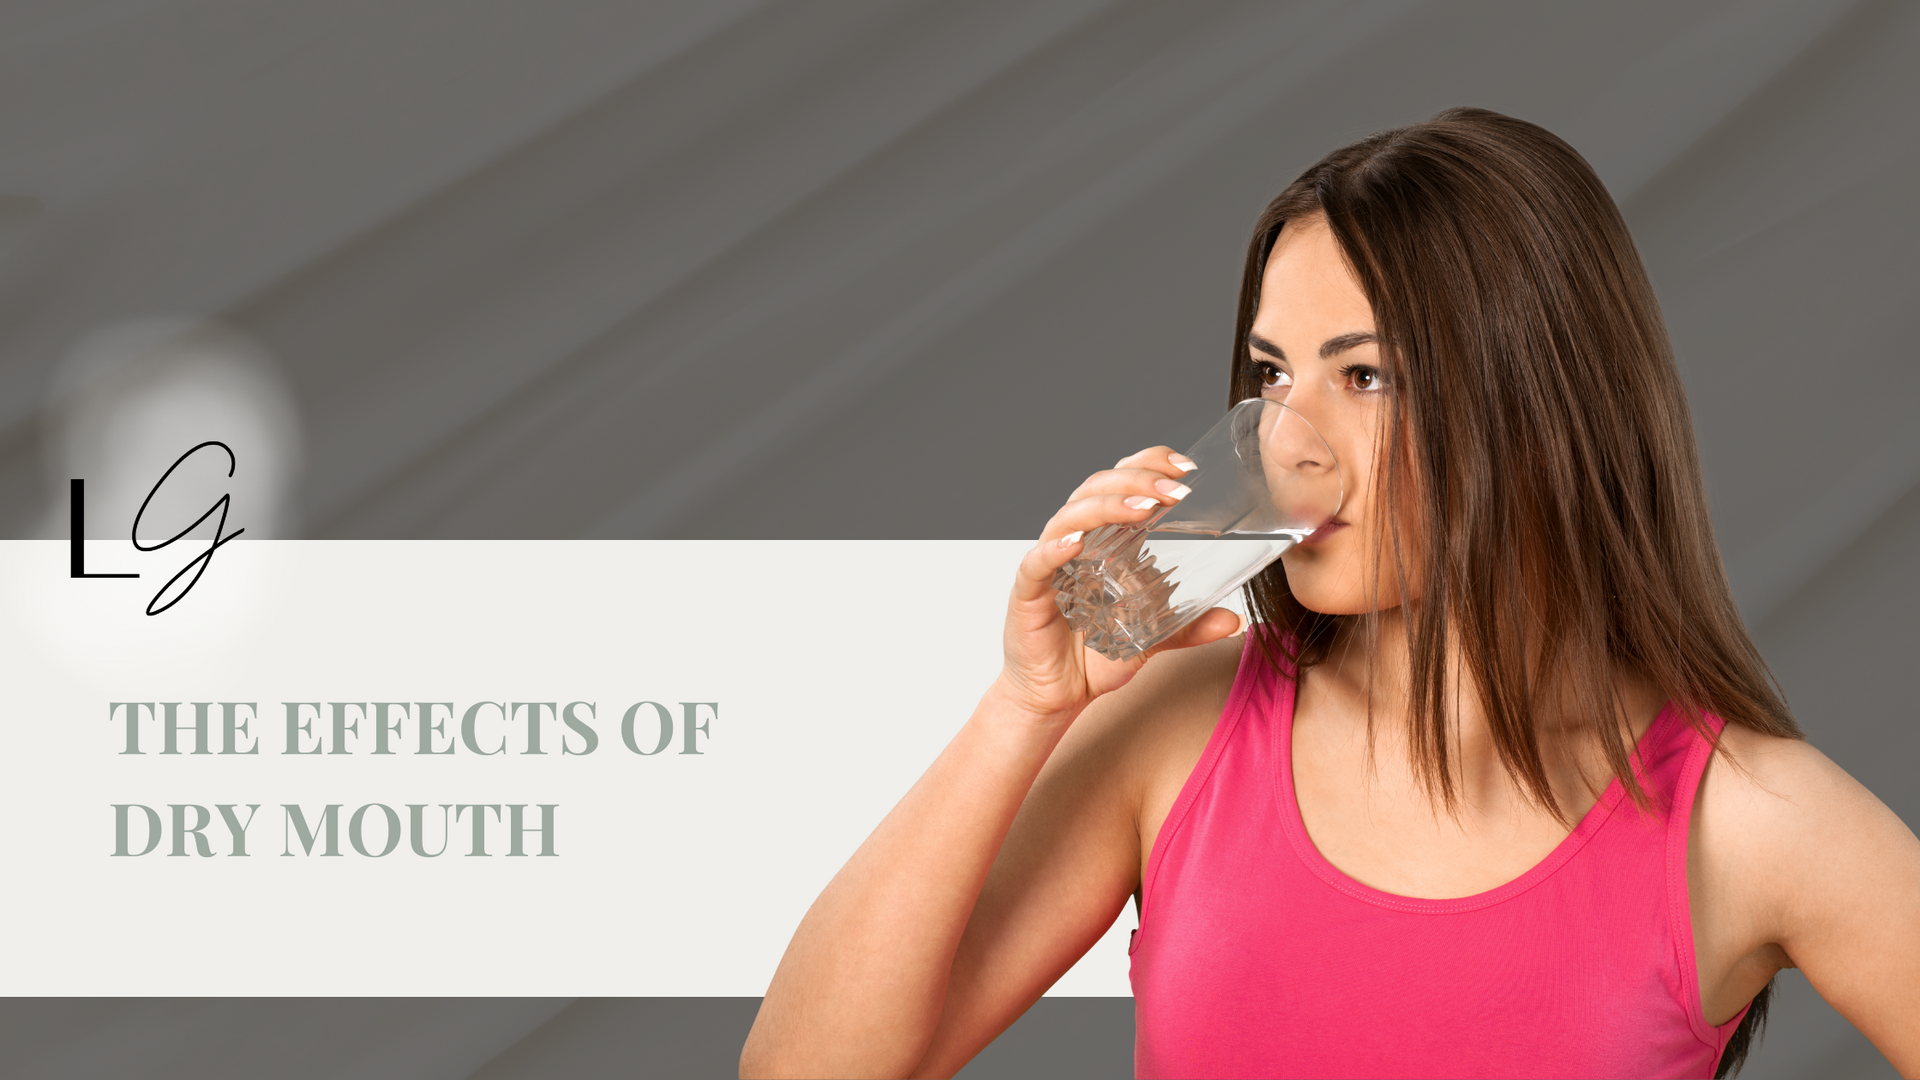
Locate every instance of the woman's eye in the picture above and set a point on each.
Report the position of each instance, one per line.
(1271, 377)
(1365, 377)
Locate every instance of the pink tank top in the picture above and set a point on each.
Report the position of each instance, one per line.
(1256, 957)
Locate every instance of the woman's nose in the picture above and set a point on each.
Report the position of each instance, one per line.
(1296, 443)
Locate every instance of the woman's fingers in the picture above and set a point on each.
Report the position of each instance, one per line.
(1131, 493)
(1035, 577)
(1141, 470)
(1065, 535)
(1089, 512)
(1165, 489)
(1161, 459)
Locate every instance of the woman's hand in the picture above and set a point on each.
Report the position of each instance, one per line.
(1048, 674)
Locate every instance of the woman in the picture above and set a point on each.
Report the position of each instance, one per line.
(1495, 785)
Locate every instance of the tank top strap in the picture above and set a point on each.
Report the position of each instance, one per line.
(1675, 770)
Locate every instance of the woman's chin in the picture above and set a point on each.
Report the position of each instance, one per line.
(1348, 606)
(1326, 608)
(1322, 601)
(1319, 594)
(1312, 587)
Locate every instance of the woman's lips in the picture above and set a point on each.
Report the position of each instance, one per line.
(1321, 533)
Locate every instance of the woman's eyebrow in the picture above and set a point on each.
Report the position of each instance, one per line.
(1334, 346)
(1265, 346)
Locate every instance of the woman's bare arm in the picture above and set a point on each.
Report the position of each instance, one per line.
(865, 982)
(1804, 867)
(862, 986)
(1075, 851)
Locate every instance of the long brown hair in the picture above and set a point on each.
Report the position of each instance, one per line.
(1540, 427)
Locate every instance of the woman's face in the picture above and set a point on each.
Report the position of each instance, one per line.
(1313, 347)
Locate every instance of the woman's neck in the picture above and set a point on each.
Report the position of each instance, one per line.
(1366, 684)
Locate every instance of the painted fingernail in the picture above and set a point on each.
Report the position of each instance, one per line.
(1172, 490)
(1141, 502)
(1181, 462)
(1072, 538)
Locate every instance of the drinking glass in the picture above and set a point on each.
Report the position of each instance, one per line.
(1264, 480)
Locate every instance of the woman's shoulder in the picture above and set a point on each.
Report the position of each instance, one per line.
(1772, 781)
(1160, 722)
(1782, 819)
(1795, 863)
(1177, 696)
(1208, 668)
(1135, 740)
(1760, 791)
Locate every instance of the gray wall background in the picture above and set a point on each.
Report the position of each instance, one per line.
(729, 269)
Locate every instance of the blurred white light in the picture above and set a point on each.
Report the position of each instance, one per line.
(124, 405)
(133, 397)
